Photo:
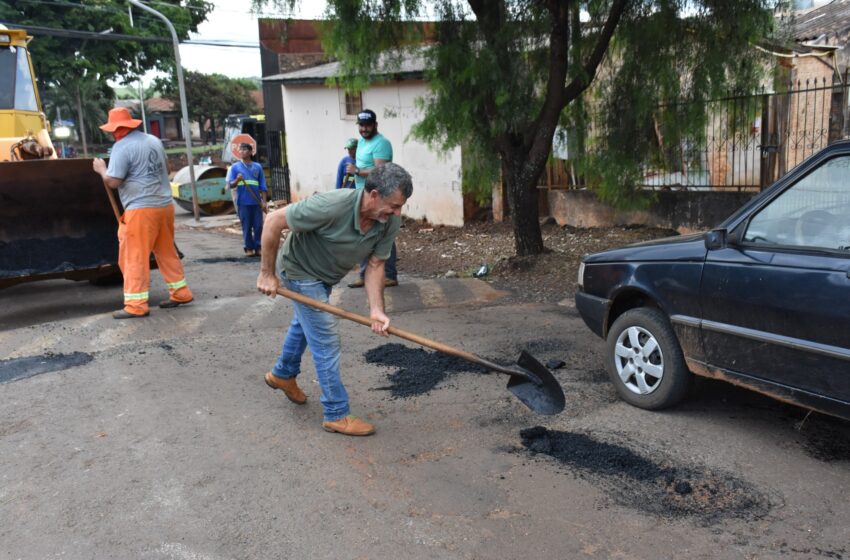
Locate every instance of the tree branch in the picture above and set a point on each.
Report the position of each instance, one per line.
(490, 14)
(581, 82)
(559, 39)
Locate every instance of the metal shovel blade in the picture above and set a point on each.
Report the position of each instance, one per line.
(545, 397)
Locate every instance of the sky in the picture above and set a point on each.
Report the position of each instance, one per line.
(232, 21)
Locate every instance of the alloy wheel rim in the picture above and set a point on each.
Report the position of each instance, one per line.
(639, 360)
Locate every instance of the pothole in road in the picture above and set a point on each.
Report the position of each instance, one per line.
(21, 368)
(656, 486)
(418, 370)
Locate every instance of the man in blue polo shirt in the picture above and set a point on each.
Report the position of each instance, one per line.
(373, 150)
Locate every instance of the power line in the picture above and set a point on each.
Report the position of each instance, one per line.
(78, 5)
(78, 34)
(222, 43)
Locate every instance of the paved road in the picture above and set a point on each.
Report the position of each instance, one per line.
(157, 439)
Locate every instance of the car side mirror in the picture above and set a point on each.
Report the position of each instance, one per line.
(716, 239)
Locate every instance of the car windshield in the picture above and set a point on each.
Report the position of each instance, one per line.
(814, 212)
(7, 78)
(16, 89)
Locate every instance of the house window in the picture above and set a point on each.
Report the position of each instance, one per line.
(353, 104)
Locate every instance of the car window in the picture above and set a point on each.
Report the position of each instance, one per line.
(814, 212)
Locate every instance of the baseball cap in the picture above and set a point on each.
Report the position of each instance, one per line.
(350, 143)
(366, 116)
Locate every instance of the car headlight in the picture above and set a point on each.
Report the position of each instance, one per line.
(581, 275)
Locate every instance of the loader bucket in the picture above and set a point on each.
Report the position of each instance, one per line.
(55, 222)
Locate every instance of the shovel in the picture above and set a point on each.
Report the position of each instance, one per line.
(530, 381)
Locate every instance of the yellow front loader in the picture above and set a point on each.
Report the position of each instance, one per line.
(55, 218)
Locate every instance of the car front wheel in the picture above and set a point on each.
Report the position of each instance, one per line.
(645, 361)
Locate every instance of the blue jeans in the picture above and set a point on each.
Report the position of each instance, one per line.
(318, 330)
(389, 266)
(251, 217)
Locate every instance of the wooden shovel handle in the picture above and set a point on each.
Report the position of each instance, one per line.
(111, 196)
(427, 342)
(263, 206)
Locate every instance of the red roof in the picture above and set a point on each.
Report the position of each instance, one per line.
(258, 98)
(159, 105)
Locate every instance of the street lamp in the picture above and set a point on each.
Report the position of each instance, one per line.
(180, 86)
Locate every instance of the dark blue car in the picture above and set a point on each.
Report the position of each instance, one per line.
(762, 301)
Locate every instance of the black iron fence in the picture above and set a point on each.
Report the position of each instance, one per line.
(749, 141)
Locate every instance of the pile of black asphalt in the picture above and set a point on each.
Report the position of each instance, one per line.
(417, 371)
(649, 481)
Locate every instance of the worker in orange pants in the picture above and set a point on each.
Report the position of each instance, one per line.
(138, 171)
(141, 232)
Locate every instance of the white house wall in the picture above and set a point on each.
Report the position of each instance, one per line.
(316, 130)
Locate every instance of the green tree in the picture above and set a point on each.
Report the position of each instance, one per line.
(504, 73)
(66, 64)
(212, 96)
(90, 99)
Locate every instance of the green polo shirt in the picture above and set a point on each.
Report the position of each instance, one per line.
(325, 240)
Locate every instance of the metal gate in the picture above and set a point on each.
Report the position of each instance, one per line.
(751, 141)
(278, 165)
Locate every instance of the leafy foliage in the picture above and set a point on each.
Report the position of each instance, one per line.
(211, 96)
(504, 73)
(670, 58)
(64, 65)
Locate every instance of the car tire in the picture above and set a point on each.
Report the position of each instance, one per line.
(645, 361)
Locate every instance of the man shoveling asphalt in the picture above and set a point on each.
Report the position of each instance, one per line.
(330, 233)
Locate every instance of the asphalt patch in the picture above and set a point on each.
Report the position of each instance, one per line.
(237, 260)
(418, 371)
(654, 485)
(827, 439)
(21, 368)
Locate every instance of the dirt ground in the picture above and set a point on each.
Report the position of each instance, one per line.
(429, 251)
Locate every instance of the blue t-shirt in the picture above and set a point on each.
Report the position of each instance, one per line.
(252, 178)
(139, 160)
(340, 174)
(376, 147)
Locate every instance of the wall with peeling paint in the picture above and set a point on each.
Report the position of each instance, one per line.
(685, 212)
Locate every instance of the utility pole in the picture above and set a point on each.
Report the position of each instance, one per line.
(139, 84)
(186, 130)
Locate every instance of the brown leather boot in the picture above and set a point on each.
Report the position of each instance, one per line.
(289, 387)
(350, 426)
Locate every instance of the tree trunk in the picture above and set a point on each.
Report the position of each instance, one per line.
(212, 130)
(81, 123)
(521, 186)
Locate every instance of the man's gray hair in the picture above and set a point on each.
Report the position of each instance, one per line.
(388, 178)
